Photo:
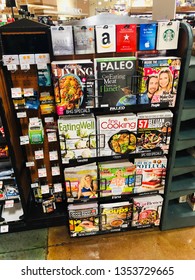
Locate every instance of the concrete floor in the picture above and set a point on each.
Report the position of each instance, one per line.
(55, 244)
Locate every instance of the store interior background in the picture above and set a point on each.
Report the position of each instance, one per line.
(78, 9)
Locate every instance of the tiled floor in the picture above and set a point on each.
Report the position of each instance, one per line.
(55, 244)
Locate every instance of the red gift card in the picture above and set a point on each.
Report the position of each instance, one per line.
(126, 37)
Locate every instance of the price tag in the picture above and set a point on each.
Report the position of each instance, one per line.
(34, 185)
(4, 228)
(42, 172)
(9, 203)
(55, 170)
(52, 137)
(49, 119)
(24, 140)
(33, 120)
(21, 115)
(16, 92)
(57, 187)
(44, 189)
(25, 67)
(30, 164)
(12, 67)
(53, 155)
(41, 66)
(39, 154)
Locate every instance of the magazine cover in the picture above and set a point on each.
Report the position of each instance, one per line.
(117, 134)
(154, 131)
(150, 174)
(62, 40)
(77, 137)
(167, 35)
(115, 216)
(73, 82)
(105, 38)
(159, 78)
(147, 211)
(81, 182)
(126, 38)
(83, 219)
(84, 39)
(114, 81)
(147, 36)
(116, 178)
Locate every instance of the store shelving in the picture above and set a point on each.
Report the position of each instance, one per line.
(181, 181)
(12, 203)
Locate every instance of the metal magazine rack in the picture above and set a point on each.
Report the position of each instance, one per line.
(59, 215)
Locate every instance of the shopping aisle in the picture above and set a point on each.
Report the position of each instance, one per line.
(55, 244)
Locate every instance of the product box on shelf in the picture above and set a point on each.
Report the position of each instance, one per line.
(154, 131)
(158, 79)
(150, 174)
(114, 81)
(73, 82)
(147, 211)
(116, 178)
(77, 137)
(116, 134)
(115, 216)
(81, 182)
(83, 219)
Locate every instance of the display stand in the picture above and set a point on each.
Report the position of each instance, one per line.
(36, 218)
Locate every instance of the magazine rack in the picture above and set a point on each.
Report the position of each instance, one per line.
(36, 218)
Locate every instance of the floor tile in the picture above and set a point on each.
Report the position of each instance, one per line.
(132, 245)
(35, 254)
(19, 241)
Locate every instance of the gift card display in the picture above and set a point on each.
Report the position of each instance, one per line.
(27, 59)
(167, 35)
(126, 38)
(10, 59)
(147, 37)
(84, 39)
(62, 40)
(42, 58)
(105, 38)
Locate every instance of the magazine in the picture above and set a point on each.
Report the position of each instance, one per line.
(158, 80)
(73, 82)
(116, 178)
(114, 81)
(77, 137)
(81, 182)
(115, 216)
(117, 134)
(154, 131)
(150, 174)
